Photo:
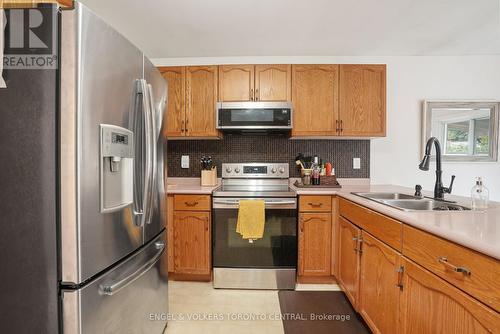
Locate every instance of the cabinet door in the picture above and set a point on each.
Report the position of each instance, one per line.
(175, 108)
(314, 244)
(315, 100)
(273, 82)
(362, 100)
(378, 285)
(201, 95)
(170, 232)
(192, 242)
(236, 83)
(431, 305)
(349, 259)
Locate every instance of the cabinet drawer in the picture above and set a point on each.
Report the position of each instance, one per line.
(192, 202)
(382, 227)
(315, 204)
(430, 251)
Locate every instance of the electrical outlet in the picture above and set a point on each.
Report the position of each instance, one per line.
(356, 163)
(185, 161)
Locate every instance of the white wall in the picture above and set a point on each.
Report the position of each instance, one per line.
(410, 80)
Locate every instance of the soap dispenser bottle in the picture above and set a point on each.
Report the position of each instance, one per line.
(479, 195)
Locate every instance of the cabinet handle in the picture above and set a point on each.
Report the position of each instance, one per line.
(186, 127)
(359, 241)
(400, 272)
(315, 204)
(251, 94)
(341, 126)
(191, 203)
(182, 126)
(337, 126)
(257, 94)
(457, 269)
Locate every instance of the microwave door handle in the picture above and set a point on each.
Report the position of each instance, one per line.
(115, 287)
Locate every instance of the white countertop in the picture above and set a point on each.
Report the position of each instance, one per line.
(188, 185)
(478, 230)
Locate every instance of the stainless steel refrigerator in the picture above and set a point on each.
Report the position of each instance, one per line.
(82, 201)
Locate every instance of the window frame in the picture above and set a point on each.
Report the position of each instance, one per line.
(494, 106)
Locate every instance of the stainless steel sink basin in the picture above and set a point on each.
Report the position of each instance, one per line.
(386, 196)
(411, 203)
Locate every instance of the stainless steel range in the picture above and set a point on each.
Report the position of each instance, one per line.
(266, 263)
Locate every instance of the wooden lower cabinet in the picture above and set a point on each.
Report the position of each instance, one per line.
(379, 292)
(348, 276)
(431, 305)
(192, 242)
(315, 230)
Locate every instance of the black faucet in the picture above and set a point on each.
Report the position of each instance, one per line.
(439, 190)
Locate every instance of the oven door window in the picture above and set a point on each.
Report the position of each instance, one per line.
(277, 248)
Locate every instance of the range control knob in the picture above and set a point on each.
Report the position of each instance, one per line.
(237, 170)
(273, 170)
(282, 170)
(228, 169)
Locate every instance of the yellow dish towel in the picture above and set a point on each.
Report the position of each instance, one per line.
(251, 219)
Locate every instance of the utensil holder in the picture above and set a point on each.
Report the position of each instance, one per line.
(209, 177)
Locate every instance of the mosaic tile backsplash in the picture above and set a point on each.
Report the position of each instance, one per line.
(270, 148)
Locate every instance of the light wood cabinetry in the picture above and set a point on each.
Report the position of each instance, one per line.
(404, 284)
(273, 82)
(189, 237)
(192, 242)
(315, 99)
(175, 112)
(476, 274)
(254, 83)
(236, 83)
(362, 100)
(315, 203)
(348, 277)
(379, 292)
(314, 244)
(191, 100)
(201, 98)
(431, 305)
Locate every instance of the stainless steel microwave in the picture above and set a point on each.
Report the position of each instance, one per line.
(254, 116)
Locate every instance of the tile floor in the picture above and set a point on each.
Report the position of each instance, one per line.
(198, 308)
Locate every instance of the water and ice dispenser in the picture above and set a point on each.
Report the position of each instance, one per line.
(116, 168)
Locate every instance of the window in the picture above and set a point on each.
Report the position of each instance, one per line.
(467, 131)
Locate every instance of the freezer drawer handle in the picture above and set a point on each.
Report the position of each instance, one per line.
(111, 289)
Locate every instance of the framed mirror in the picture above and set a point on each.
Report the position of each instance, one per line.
(467, 131)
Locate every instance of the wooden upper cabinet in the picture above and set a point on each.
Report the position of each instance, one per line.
(201, 98)
(315, 231)
(431, 305)
(349, 259)
(362, 100)
(273, 82)
(192, 242)
(315, 99)
(379, 293)
(236, 83)
(175, 108)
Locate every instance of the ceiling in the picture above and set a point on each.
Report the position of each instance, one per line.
(233, 28)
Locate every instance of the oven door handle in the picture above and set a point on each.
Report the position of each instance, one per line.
(235, 203)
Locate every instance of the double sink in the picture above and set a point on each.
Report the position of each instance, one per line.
(407, 202)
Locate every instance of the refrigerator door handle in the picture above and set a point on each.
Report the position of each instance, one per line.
(113, 288)
(154, 162)
(143, 166)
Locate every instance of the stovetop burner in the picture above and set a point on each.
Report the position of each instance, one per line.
(255, 180)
